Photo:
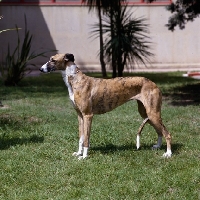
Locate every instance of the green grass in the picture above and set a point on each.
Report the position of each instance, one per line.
(39, 133)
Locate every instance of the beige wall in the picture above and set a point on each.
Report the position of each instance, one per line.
(67, 29)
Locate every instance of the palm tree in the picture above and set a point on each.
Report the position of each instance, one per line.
(126, 39)
(99, 5)
(103, 6)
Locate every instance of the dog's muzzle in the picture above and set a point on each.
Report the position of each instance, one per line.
(47, 68)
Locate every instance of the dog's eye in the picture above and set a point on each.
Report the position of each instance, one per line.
(52, 60)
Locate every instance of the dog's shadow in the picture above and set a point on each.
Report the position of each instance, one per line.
(6, 143)
(111, 148)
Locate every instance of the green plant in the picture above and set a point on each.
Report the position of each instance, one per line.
(16, 64)
(99, 5)
(102, 7)
(12, 29)
(127, 41)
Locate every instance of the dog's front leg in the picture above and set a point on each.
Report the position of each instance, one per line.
(81, 136)
(87, 122)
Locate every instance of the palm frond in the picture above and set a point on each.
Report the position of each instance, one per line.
(130, 40)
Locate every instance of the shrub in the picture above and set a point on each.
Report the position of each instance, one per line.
(15, 66)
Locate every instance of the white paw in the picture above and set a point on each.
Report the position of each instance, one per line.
(168, 154)
(82, 157)
(76, 154)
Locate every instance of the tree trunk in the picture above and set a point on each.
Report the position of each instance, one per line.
(103, 65)
(119, 65)
(114, 66)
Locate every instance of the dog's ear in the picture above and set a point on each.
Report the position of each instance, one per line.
(69, 57)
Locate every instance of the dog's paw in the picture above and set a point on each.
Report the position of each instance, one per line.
(155, 147)
(76, 154)
(168, 154)
(82, 157)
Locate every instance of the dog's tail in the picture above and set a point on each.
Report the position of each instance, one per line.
(139, 132)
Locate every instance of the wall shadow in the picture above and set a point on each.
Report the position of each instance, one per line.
(36, 24)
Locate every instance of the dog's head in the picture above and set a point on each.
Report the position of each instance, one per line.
(58, 62)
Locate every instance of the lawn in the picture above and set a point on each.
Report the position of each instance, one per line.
(39, 133)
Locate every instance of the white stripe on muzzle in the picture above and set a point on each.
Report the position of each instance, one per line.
(44, 68)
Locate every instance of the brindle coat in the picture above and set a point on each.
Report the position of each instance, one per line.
(97, 96)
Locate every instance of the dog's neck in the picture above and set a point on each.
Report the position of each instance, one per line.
(70, 71)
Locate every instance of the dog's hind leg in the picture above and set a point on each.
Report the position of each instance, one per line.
(152, 101)
(156, 122)
(139, 132)
(158, 144)
(142, 111)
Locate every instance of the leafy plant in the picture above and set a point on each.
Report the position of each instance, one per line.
(1, 17)
(99, 5)
(102, 7)
(16, 64)
(183, 11)
(126, 40)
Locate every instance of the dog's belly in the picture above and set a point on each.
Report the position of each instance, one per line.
(103, 105)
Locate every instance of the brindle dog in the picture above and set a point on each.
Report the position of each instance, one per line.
(97, 96)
